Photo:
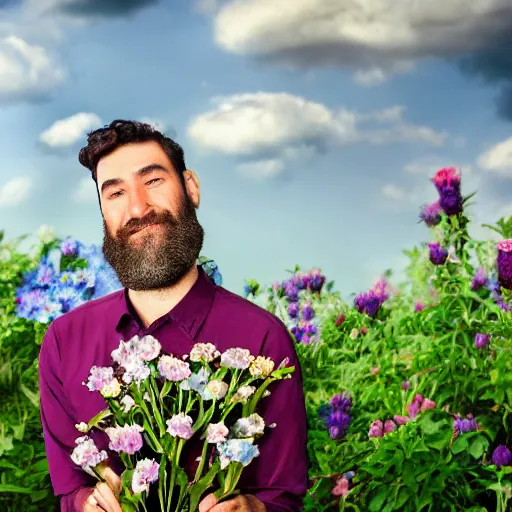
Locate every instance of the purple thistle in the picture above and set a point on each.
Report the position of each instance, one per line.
(463, 425)
(308, 312)
(293, 309)
(479, 280)
(482, 340)
(447, 183)
(419, 306)
(502, 456)
(431, 214)
(317, 280)
(438, 255)
(291, 291)
(342, 401)
(69, 247)
(504, 263)
(406, 385)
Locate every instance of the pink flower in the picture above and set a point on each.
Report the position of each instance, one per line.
(401, 420)
(180, 426)
(341, 488)
(125, 439)
(217, 433)
(146, 472)
(374, 371)
(237, 358)
(99, 377)
(389, 426)
(173, 369)
(376, 429)
(148, 348)
(427, 404)
(86, 454)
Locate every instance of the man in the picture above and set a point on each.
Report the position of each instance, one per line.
(152, 239)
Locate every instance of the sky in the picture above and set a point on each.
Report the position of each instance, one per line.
(314, 126)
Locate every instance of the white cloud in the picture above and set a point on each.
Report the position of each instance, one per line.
(376, 75)
(262, 169)
(15, 191)
(394, 192)
(26, 71)
(65, 132)
(360, 34)
(86, 192)
(498, 158)
(261, 123)
(158, 125)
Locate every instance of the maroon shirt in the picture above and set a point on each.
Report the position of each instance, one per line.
(86, 336)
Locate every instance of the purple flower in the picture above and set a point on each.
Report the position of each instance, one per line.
(428, 404)
(173, 369)
(341, 401)
(317, 280)
(180, 426)
(371, 301)
(69, 247)
(376, 429)
(414, 407)
(479, 280)
(146, 472)
(86, 454)
(447, 183)
(482, 340)
(291, 291)
(126, 439)
(308, 312)
(462, 425)
(338, 423)
(502, 456)
(389, 426)
(419, 306)
(438, 255)
(401, 420)
(504, 263)
(293, 309)
(431, 214)
(406, 385)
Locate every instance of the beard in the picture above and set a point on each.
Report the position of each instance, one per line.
(160, 257)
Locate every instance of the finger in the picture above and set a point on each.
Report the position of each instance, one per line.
(91, 505)
(207, 503)
(105, 497)
(233, 505)
(113, 480)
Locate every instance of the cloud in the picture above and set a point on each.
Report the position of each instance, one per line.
(262, 169)
(90, 8)
(498, 158)
(376, 39)
(394, 192)
(68, 131)
(27, 72)
(159, 125)
(15, 191)
(206, 6)
(86, 192)
(269, 123)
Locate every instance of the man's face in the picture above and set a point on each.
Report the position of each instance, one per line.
(151, 233)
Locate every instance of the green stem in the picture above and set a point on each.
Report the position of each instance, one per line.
(200, 466)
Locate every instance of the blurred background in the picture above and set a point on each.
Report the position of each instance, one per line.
(314, 125)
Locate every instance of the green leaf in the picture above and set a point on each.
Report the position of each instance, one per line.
(460, 444)
(378, 500)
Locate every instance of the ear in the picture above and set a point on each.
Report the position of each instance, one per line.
(192, 186)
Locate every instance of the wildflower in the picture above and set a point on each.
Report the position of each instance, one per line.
(126, 439)
(145, 473)
(389, 426)
(243, 393)
(341, 487)
(69, 247)
(376, 429)
(438, 255)
(180, 425)
(46, 234)
(308, 312)
(431, 214)
(341, 401)
(479, 280)
(293, 309)
(406, 385)
(375, 370)
(217, 388)
(462, 425)
(401, 420)
(482, 340)
(251, 426)
(504, 263)
(205, 352)
(338, 422)
(86, 454)
(291, 291)
(173, 369)
(363, 331)
(217, 433)
(371, 301)
(340, 320)
(447, 183)
(502, 456)
(427, 404)
(419, 306)
(317, 280)
(353, 333)
(237, 358)
(237, 450)
(261, 367)
(414, 407)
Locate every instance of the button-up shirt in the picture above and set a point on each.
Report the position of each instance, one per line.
(87, 335)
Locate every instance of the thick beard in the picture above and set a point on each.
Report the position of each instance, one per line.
(163, 258)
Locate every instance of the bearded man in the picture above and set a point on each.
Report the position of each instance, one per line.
(152, 239)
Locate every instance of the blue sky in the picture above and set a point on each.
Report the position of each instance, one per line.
(314, 125)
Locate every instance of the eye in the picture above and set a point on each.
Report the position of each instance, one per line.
(115, 194)
(153, 181)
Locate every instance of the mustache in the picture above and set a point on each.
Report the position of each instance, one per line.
(134, 225)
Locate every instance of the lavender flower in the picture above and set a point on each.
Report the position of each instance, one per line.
(69, 247)
(431, 214)
(462, 425)
(317, 280)
(479, 280)
(482, 340)
(293, 309)
(502, 456)
(308, 312)
(341, 401)
(504, 263)
(125, 439)
(145, 473)
(336, 415)
(86, 454)
(237, 358)
(173, 369)
(447, 183)
(438, 255)
(291, 291)
(180, 425)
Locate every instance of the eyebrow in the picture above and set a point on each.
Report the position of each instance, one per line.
(143, 171)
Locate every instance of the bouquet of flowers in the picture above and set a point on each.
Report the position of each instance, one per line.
(159, 402)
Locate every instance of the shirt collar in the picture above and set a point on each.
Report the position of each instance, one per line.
(190, 313)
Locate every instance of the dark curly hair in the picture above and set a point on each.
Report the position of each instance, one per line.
(103, 141)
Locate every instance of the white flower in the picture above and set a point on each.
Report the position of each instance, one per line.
(148, 348)
(249, 427)
(82, 427)
(217, 433)
(243, 393)
(145, 473)
(237, 358)
(217, 388)
(46, 233)
(180, 425)
(86, 454)
(206, 352)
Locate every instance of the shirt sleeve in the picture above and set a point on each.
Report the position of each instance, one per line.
(59, 430)
(279, 475)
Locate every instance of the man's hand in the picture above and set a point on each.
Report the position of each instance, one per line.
(104, 496)
(242, 503)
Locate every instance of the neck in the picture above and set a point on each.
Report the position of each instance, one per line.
(153, 304)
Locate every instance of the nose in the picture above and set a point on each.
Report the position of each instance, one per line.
(138, 205)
